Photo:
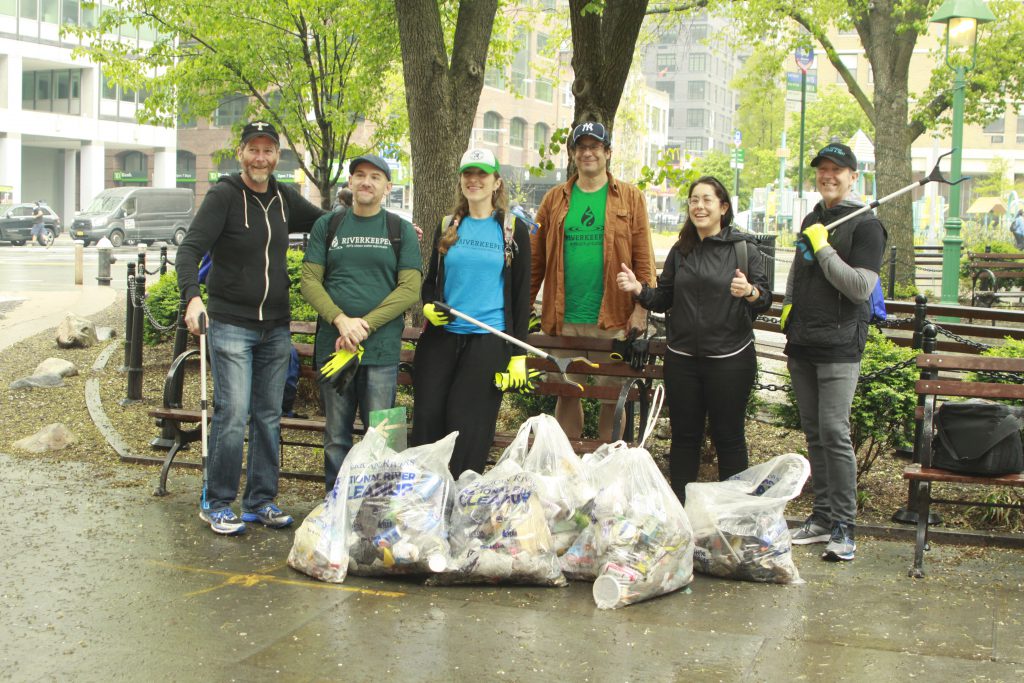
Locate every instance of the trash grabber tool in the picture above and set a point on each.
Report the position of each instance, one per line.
(561, 363)
(202, 401)
(935, 175)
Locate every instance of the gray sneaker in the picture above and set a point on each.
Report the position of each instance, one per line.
(840, 547)
(223, 521)
(811, 532)
(269, 515)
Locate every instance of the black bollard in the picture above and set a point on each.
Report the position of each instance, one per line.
(129, 318)
(163, 260)
(135, 362)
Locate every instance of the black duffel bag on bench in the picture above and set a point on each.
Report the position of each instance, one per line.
(978, 437)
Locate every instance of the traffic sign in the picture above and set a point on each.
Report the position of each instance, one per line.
(736, 159)
(804, 57)
(737, 138)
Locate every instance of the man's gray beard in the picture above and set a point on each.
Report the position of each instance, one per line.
(258, 179)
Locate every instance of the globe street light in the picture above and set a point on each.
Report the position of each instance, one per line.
(961, 18)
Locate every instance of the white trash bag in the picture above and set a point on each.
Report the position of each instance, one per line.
(498, 532)
(739, 525)
(565, 487)
(639, 544)
(385, 516)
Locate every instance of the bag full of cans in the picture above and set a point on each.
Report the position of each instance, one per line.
(498, 530)
(639, 544)
(739, 525)
(385, 516)
(566, 490)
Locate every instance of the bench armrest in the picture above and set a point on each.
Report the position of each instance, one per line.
(174, 383)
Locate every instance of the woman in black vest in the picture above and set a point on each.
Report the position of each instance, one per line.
(713, 285)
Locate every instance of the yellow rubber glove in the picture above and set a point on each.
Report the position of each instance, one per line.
(534, 322)
(817, 235)
(340, 368)
(436, 317)
(786, 308)
(514, 377)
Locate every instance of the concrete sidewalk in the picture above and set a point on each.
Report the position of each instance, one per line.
(103, 581)
(40, 311)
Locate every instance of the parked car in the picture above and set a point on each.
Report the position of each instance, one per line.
(136, 214)
(16, 223)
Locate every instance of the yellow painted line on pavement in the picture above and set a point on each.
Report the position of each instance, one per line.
(249, 580)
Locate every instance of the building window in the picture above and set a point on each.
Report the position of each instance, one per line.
(850, 62)
(517, 133)
(230, 111)
(521, 63)
(542, 135)
(666, 62)
(995, 129)
(1020, 129)
(492, 126)
(186, 169)
(43, 84)
(50, 11)
(495, 78)
(696, 144)
(9, 7)
(29, 9)
(667, 87)
(109, 89)
(698, 63)
(69, 13)
(695, 118)
(696, 90)
(698, 32)
(542, 41)
(544, 90)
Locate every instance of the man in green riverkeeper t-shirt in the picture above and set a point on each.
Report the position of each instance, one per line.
(361, 289)
(587, 228)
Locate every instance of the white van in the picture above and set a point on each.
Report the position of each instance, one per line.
(136, 214)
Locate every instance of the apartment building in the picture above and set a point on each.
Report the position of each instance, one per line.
(66, 133)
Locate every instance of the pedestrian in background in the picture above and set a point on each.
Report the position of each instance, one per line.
(713, 285)
(479, 265)
(244, 222)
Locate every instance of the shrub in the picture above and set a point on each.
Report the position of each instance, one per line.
(1010, 348)
(162, 301)
(882, 407)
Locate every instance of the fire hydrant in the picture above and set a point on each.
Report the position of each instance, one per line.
(105, 257)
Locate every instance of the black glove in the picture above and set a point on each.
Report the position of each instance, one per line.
(640, 353)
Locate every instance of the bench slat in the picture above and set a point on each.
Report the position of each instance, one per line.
(969, 389)
(942, 361)
(918, 473)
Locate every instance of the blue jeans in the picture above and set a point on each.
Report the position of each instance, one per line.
(373, 388)
(249, 368)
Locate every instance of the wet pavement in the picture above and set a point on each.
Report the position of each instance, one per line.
(102, 581)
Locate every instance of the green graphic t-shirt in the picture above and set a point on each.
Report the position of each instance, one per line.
(584, 255)
(360, 271)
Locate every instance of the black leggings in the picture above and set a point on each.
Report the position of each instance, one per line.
(716, 389)
(453, 390)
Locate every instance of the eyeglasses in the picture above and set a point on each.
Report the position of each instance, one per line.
(707, 200)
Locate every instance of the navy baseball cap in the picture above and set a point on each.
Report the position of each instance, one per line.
(838, 153)
(374, 161)
(255, 129)
(594, 130)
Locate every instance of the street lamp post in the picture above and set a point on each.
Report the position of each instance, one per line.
(961, 18)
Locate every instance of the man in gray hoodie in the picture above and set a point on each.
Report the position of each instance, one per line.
(244, 222)
(825, 316)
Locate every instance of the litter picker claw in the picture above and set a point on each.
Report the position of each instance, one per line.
(561, 363)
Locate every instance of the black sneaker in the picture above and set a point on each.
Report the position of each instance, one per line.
(840, 547)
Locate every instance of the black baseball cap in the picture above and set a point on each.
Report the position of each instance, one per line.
(373, 160)
(838, 153)
(255, 129)
(594, 130)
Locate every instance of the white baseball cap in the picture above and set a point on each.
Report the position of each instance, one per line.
(479, 158)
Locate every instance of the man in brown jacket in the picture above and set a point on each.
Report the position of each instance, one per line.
(587, 228)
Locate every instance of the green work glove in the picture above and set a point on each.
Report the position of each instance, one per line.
(817, 235)
(786, 308)
(340, 368)
(436, 317)
(514, 377)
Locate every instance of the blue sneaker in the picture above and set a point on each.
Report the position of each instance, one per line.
(269, 515)
(223, 521)
(840, 547)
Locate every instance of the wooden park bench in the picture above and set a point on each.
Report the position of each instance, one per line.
(632, 394)
(994, 276)
(929, 388)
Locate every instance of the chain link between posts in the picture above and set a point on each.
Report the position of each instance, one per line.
(139, 301)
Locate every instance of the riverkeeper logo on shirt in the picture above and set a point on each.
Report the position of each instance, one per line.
(360, 242)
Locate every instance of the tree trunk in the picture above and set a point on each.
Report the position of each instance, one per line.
(602, 52)
(442, 99)
(889, 52)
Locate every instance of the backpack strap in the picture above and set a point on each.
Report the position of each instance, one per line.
(332, 228)
(741, 255)
(511, 248)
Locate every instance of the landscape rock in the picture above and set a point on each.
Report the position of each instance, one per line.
(105, 333)
(52, 437)
(56, 366)
(38, 382)
(75, 332)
